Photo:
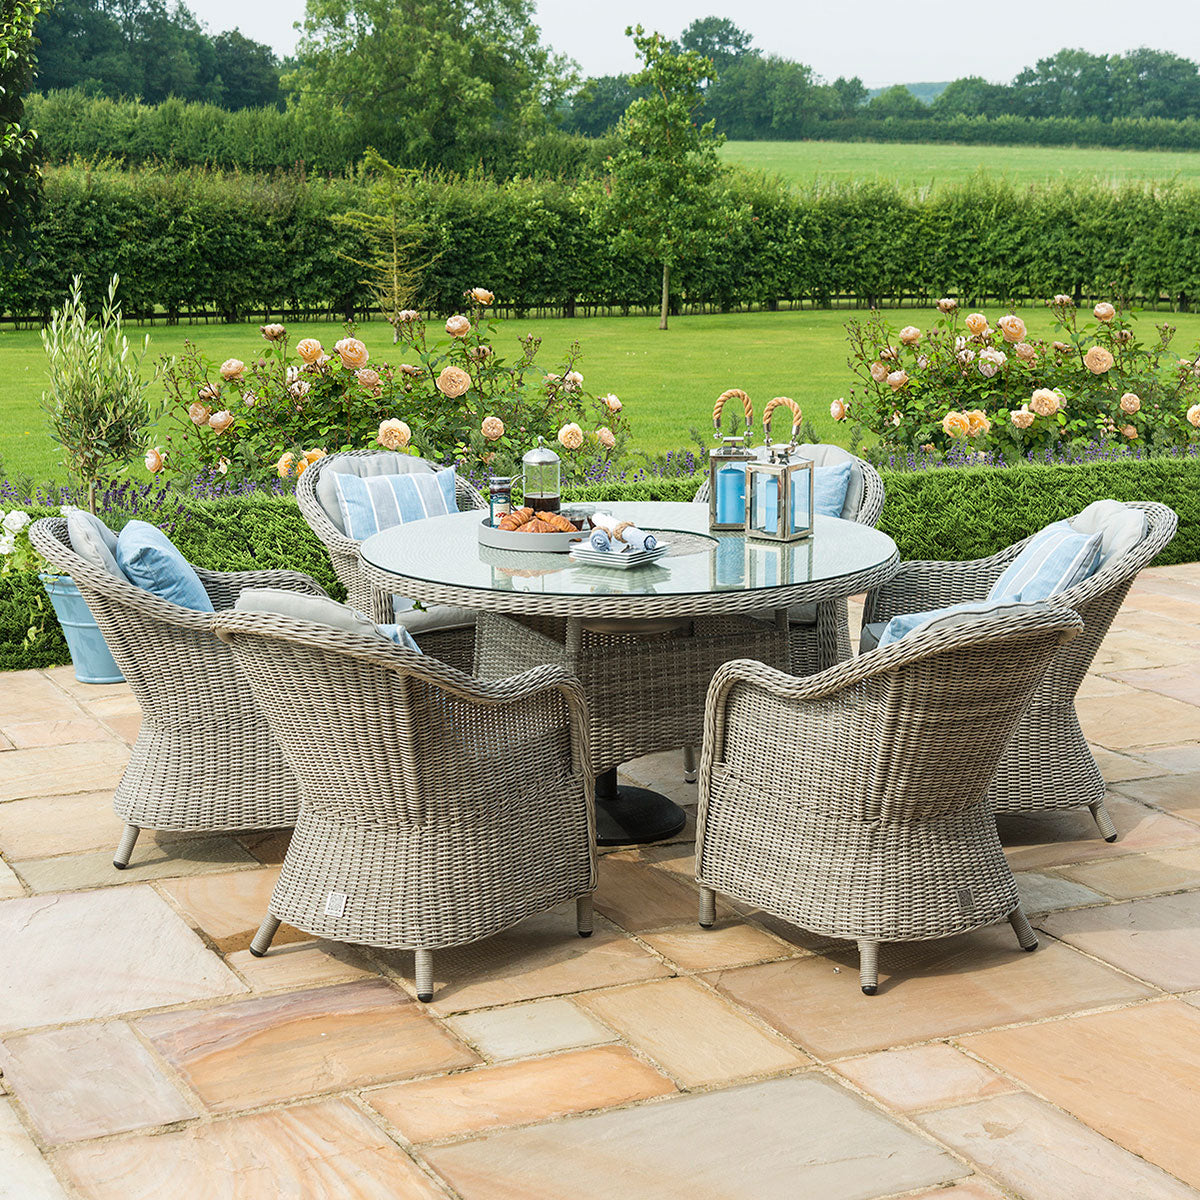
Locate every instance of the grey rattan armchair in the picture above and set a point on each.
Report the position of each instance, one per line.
(1048, 765)
(204, 758)
(852, 803)
(819, 634)
(436, 809)
(453, 641)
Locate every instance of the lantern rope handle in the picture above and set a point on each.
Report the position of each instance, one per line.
(781, 402)
(733, 394)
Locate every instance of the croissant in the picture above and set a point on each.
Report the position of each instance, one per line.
(557, 522)
(521, 516)
(536, 526)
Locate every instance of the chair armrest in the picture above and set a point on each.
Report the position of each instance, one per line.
(923, 586)
(224, 587)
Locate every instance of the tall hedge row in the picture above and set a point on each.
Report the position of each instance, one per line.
(238, 244)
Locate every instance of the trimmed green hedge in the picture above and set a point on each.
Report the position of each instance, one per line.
(950, 514)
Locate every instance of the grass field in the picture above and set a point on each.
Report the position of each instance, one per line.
(921, 164)
(668, 381)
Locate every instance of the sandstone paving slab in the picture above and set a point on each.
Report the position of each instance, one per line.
(1130, 1074)
(230, 907)
(48, 825)
(325, 1151)
(24, 1173)
(1156, 938)
(1183, 758)
(30, 692)
(300, 964)
(151, 859)
(637, 897)
(10, 885)
(26, 735)
(927, 990)
(729, 943)
(523, 1030)
(539, 1089)
(278, 1048)
(1142, 621)
(542, 956)
(1043, 1154)
(933, 1076)
(1146, 719)
(55, 770)
(1178, 794)
(64, 679)
(1042, 893)
(1135, 875)
(663, 773)
(1053, 839)
(799, 1136)
(268, 846)
(1125, 650)
(1116, 768)
(81, 955)
(89, 1081)
(969, 1189)
(1180, 682)
(692, 1033)
(1103, 685)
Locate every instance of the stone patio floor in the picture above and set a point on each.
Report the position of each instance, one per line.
(146, 1054)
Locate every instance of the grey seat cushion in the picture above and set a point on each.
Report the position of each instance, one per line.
(433, 617)
(321, 610)
(386, 462)
(869, 639)
(93, 541)
(1121, 527)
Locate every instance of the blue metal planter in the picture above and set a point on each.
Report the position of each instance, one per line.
(89, 652)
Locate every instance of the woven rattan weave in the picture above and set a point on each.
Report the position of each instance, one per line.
(204, 758)
(853, 803)
(435, 809)
(1049, 765)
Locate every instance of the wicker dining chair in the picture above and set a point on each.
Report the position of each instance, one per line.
(204, 759)
(447, 634)
(1048, 766)
(436, 809)
(819, 634)
(852, 803)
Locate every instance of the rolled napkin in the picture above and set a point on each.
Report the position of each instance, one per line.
(623, 531)
(636, 538)
(599, 540)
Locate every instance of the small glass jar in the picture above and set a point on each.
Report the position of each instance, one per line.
(499, 498)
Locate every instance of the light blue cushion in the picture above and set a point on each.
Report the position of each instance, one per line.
(829, 488)
(150, 561)
(940, 618)
(382, 501)
(1054, 560)
(401, 636)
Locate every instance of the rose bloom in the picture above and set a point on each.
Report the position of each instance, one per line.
(368, 377)
(299, 389)
(492, 428)
(311, 456)
(481, 296)
(155, 460)
(286, 466)
(407, 316)
(453, 382)
(1012, 327)
(1044, 402)
(1193, 415)
(220, 421)
(409, 369)
(922, 361)
(897, 379)
(458, 326)
(977, 323)
(232, 368)
(1104, 311)
(222, 466)
(1062, 300)
(1123, 336)
(1129, 431)
(990, 361)
(394, 434)
(310, 350)
(879, 372)
(966, 357)
(977, 422)
(1025, 352)
(352, 352)
(611, 403)
(249, 399)
(479, 353)
(199, 414)
(1022, 418)
(910, 335)
(955, 425)
(272, 333)
(605, 437)
(839, 410)
(1131, 402)
(1062, 347)
(209, 392)
(571, 436)
(888, 354)
(946, 305)
(572, 380)
(1098, 360)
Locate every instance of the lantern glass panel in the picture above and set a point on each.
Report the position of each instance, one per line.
(801, 514)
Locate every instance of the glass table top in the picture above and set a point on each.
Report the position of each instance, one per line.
(445, 551)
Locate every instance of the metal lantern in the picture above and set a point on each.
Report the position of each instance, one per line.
(541, 475)
(779, 490)
(727, 468)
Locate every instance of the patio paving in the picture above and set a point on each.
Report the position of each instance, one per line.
(147, 1055)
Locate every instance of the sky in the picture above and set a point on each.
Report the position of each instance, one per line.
(881, 41)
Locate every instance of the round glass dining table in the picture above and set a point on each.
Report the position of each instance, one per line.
(704, 577)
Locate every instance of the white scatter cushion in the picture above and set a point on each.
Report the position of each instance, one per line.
(1121, 527)
(386, 462)
(93, 541)
(321, 610)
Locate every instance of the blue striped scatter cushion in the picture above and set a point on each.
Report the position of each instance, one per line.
(381, 501)
(1054, 560)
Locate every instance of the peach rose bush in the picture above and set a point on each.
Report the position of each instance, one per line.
(984, 385)
(450, 395)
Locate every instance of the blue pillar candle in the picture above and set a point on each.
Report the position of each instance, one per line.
(766, 503)
(731, 495)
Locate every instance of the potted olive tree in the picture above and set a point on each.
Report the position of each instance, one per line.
(99, 413)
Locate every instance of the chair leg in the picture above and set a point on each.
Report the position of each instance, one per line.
(868, 967)
(1108, 831)
(689, 764)
(262, 939)
(424, 971)
(583, 916)
(1024, 931)
(125, 847)
(708, 907)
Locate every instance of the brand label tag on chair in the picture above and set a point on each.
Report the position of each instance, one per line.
(966, 900)
(335, 904)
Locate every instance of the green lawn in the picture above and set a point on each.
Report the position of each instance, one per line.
(921, 164)
(668, 381)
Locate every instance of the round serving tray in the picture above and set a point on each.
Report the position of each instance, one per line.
(545, 543)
